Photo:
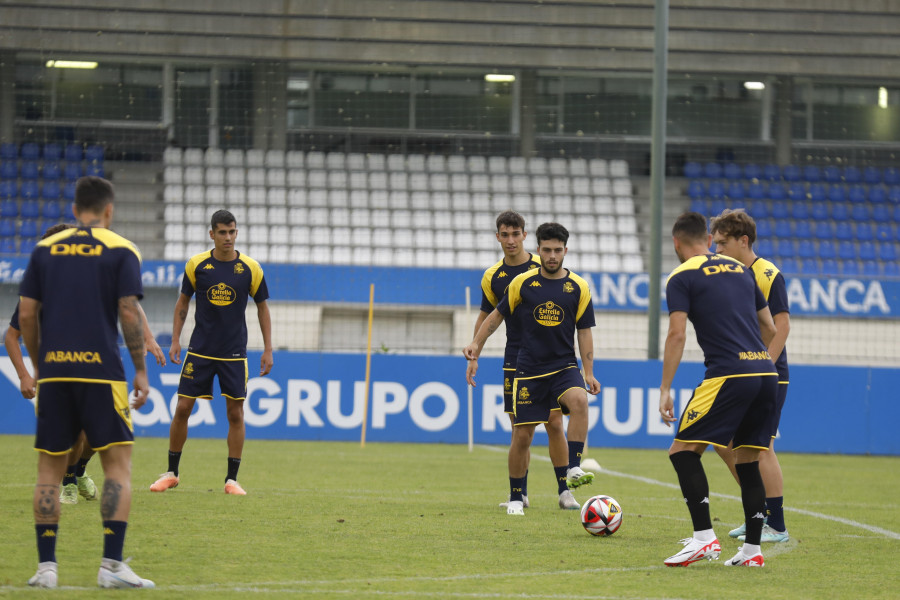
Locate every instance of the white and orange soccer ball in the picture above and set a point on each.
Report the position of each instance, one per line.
(601, 515)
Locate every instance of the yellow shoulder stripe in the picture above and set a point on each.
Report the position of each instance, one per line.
(760, 269)
(515, 288)
(585, 294)
(111, 239)
(486, 283)
(190, 268)
(256, 272)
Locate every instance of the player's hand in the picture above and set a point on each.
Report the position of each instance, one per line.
(471, 351)
(27, 387)
(153, 348)
(666, 406)
(593, 385)
(141, 390)
(175, 352)
(265, 363)
(471, 369)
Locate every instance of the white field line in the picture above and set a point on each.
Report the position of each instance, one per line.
(856, 524)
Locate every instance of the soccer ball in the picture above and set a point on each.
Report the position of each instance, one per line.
(601, 515)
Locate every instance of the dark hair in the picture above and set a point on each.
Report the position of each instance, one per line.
(552, 231)
(510, 218)
(54, 229)
(92, 194)
(734, 223)
(690, 226)
(221, 217)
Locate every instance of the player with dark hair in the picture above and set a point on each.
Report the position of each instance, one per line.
(734, 232)
(223, 280)
(78, 283)
(736, 399)
(551, 306)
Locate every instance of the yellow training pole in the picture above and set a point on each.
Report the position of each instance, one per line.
(362, 439)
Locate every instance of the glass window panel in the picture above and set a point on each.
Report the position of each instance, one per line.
(362, 100)
(463, 103)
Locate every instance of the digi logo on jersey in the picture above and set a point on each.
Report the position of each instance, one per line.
(76, 250)
(726, 268)
(549, 314)
(221, 294)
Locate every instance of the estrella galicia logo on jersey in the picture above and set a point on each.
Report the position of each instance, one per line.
(76, 249)
(61, 356)
(524, 394)
(221, 294)
(208, 266)
(535, 284)
(238, 268)
(568, 287)
(723, 268)
(549, 314)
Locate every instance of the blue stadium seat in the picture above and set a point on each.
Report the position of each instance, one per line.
(95, 169)
(780, 210)
(887, 251)
(69, 191)
(74, 153)
(763, 229)
(73, 171)
(695, 190)
(785, 248)
(732, 171)
(826, 249)
(52, 152)
(716, 206)
(809, 266)
(881, 213)
(892, 176)
(856, 194)
(870, 268)
(852, 175)
(94, 154)
(817, 192)
(783, 228)
(29, 170)
(9, 170)
(50, 190)
(865, 232)
(758, 209)
(843, 231)
(698, 206)
(894, 194)
(8, 246)
(884, 232)
(9, 151)
(764, 247)
(30, 190)
(712, 170)
(50, 170)
(839, 211)
(9, 209)
(7, 227)
(890, 269)
(836, 193)
(27, 245)
(831, 174)
(799, 210)
(752, 171)
(715, 190)
(819, 211)
(756, 191)
(777, 191)
(30, 151)
(771, 172)
(47, 225)
(735, 191)
(802, 230)
(29, 228)
(51, 210)
(811, 173)
(830, 267)
(824, 230)
(850, 267)
(8, 189)
(692, 170)
(790, 173)
(866, 251)
(860, 212)
(68, 214)
(805, 249)
(872, 175)
(877, 194)
(30, 209)
(847, 250)
(790, 266)
(797, 191)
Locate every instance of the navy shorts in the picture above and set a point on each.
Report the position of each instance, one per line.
(508, 376)
(779, 404)
(537, 396)
(65, 407)
(739, 408)
(197, 375)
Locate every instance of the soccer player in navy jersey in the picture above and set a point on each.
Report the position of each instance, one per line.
(735, 402)
(78, 284)
(223, 280)
(734, 232)
(550, 306)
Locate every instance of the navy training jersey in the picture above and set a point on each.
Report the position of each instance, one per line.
(494, 284)
(547, 312)
(721, 299)
(14, 320)
(771, 281)
(78, 275)
(220, 328)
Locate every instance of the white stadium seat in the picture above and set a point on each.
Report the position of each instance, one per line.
(436, 163)
(275, 159)
(314, 160)
(173, 175)
(276, 196)
(415, 162)
(255, 158)
(173, 194)
(215, 176)
(295, 159)
(256, 196)
(598, 167)
(456, 163)
(335, 161)
(376, 162)
(215, 196)
(356, 161)
(172, 156)
(278, 215)
(234, 157)
(174, 251)
(279, 234)
(276, 177)
(558, 167)
(338, 198)
(618, 168)
(361, 256)
(279, 253)
(235, 195)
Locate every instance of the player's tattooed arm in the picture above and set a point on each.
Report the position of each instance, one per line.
(132, 320)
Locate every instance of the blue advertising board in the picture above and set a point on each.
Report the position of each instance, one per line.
(308, 396)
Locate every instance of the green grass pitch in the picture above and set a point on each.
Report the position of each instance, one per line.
(333, 520)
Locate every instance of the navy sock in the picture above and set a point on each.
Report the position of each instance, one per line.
(525, 484)
(70, 475)
(694, 487)
(561, 479)
(775, 513)
(82, 465)
(174, 459)
(575, 451)
(113, 539)
(515, 488)
(46, 542)
(753, 497)
(233, 465)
